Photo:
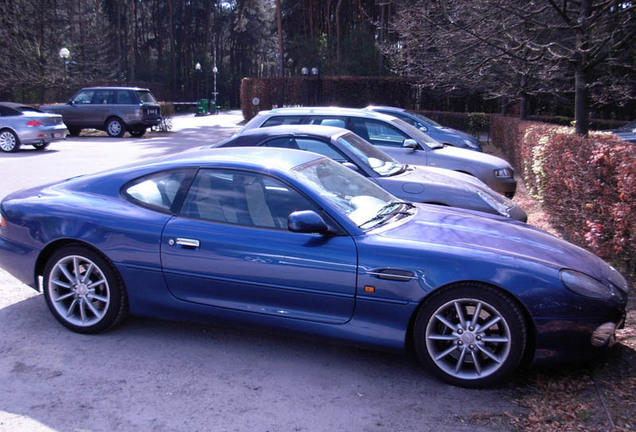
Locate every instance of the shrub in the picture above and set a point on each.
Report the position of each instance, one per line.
(586, 184)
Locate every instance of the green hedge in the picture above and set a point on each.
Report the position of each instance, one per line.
(586, 184)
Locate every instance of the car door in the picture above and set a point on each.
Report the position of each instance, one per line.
(389, 139)
(230, 248)
(77, 113)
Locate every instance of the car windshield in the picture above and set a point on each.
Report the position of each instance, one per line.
(380, 162)
(417, 134)
(145, 96)
(362, 201)
(426, 119)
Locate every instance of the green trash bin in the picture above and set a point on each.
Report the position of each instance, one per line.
(202, 107)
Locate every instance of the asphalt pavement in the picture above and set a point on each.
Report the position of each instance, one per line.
(150, 375)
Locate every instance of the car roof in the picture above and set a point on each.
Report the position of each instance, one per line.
(245, 157)
(15, 105)
(315, 130)
(115, 88)
(385, 107)
(355, 112)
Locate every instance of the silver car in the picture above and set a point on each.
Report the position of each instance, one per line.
(404, 142)
(410, 183)
(25, 125)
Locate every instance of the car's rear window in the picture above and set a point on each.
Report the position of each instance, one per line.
(145, 96)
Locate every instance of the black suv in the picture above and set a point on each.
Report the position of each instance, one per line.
(111, 109)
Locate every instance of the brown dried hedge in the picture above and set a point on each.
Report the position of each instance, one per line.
(586, 184)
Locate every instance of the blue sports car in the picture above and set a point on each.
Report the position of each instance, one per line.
(293, 240)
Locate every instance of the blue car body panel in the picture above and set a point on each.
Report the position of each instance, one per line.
(360, 286)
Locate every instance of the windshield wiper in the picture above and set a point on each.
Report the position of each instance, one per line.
(389, 211)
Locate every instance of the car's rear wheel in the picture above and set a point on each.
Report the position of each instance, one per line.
(138, 132)
(115, 127)
(470, 335)
(9, 141)
(83, 290)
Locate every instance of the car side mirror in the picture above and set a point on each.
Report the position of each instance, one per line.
(351, 166)
(306, 221)
(410, 144)
(71, 102)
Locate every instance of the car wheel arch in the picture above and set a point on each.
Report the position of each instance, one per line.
(57, 245)
(409, 342)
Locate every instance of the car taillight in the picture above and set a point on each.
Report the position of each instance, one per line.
(3, 223)
(141, 112)
(34, 123)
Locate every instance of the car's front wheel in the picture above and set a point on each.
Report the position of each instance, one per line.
(115, 127)
(9, 141)
(470, 335)
(83, 290)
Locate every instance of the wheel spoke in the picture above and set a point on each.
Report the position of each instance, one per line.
(62, 284)
(82, 308)
(66, 273)
(460, 361)
(489, 324)
(446, 322)
(476, 362)
(93, 296)
(495, 339)
(489, 354)
(64, 297)
(71, 308)
(460, 314)
(96, 283)
(93, 309)
(87, 275)
(475, 319)
(446, 352)
(449, 337)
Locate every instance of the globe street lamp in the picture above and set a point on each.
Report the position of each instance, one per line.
(197, 68)
(64, 55)
(215, 70)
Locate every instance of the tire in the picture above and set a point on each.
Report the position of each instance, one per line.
(41, 146)
(115, 127)
(9, 141)
(83, 291)
(449, 344)
(74, 132)
(137, 133)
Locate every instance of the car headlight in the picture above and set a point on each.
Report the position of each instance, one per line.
(585, 285)
(471, 144)
(504, 173)
(498, 206)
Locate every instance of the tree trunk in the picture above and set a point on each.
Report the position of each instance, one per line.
(581, 103)
(279, 24)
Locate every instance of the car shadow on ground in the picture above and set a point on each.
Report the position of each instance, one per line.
(146, 369)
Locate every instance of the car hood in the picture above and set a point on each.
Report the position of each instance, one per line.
(456, 133)
(451, 228)
(52, 107)
(472, 156)
(418, 173)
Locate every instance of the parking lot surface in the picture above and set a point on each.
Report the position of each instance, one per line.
(165, 376)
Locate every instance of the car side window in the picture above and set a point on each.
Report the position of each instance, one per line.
(124, 97)
(158, 191)
(282, 120)
(378, 133)
(340, 122)
(242, 198)
(309, 144)
(103, 97)
(84, 97)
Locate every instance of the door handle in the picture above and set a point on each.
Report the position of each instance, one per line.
(186, 242)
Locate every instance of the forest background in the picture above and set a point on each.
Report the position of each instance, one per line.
(549, 57)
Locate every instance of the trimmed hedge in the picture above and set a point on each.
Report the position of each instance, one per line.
(586, 184)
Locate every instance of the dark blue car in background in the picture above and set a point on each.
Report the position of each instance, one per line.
(293, 240)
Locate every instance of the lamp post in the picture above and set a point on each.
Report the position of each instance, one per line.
(197, 69)
(215, 71)
(64, 55)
